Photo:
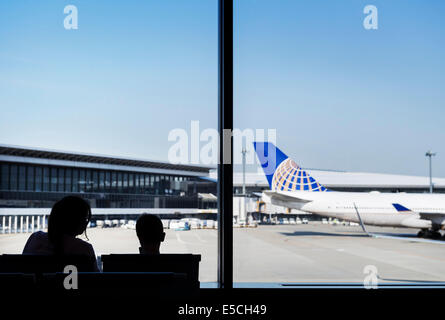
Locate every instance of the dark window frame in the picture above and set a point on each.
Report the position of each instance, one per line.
(225, 124)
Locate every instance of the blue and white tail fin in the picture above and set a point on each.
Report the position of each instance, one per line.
(282, 173)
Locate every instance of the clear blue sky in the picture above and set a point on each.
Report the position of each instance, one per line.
(340, 97)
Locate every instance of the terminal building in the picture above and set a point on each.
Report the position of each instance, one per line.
(36, 178)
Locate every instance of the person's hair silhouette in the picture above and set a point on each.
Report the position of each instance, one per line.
(150, 232)
(69, 218)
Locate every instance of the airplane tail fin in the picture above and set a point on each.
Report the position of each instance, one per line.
(282, 173)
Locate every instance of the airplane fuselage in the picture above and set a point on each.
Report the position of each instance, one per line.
(374, 208)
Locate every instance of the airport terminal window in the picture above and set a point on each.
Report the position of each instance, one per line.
(114, 180)
(38, 178)
(130, 182)
(63, 180)
(136, 182)
(88, 180)
(95, 179)
(46, 179)
(75, 180)
(4, 176)
(142, 182)
(108, 181)
(13, 177)
(125, 181)
(156, 74)
(22, 178)
(30, 178)
(54, 179)
(324, 81)
(101, 180)
(119, 181)
(146, 182)
(82, 180)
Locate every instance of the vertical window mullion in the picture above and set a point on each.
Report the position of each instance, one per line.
(225, 129)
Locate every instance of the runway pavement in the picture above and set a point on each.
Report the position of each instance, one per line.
(287, 253)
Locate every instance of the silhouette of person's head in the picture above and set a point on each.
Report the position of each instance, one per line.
(68, 217)
(150, 232)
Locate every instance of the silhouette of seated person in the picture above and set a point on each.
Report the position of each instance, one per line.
(69, 218)
(150, 232)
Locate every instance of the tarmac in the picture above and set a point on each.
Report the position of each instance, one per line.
(309, 253)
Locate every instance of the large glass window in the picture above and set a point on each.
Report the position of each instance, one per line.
(4, 183)
(126, 181)
(95, 180)
(123, 90)
(131, 182)
(147, 184)
(22, 178)
(141, 182)
(136, 183)
(39, 178)
(343, 100)
(119, 181)
(13, 177)
(75, 180)
(107, 180)
(89, 181)
(53, 186)
(68, 179)
(30, 178)
(101, 180)
(114, 180)
(82, 180)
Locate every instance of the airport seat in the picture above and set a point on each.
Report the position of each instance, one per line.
(39, 264)
(156, 285)
(17, 281)
(177, 263)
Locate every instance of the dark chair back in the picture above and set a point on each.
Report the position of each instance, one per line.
(38, 264)
(177, 263)
(16, 281)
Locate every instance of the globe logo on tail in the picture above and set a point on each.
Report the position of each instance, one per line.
(290, 177)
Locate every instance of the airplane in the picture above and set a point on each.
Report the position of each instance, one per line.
(292, 187)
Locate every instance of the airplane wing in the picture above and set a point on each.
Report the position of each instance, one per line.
(434, 217)
(285, 197)
(288, 200)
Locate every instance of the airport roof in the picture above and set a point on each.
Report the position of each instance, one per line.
(15, 153)
(343, 179)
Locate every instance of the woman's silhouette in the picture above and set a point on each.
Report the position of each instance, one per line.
(69, 218)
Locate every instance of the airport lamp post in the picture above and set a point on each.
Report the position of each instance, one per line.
(244, 151)
(430, 155)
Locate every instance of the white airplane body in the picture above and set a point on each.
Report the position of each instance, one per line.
(292, 187)
(377, 209)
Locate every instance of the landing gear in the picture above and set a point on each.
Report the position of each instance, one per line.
(435, 235)
(429, 234)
